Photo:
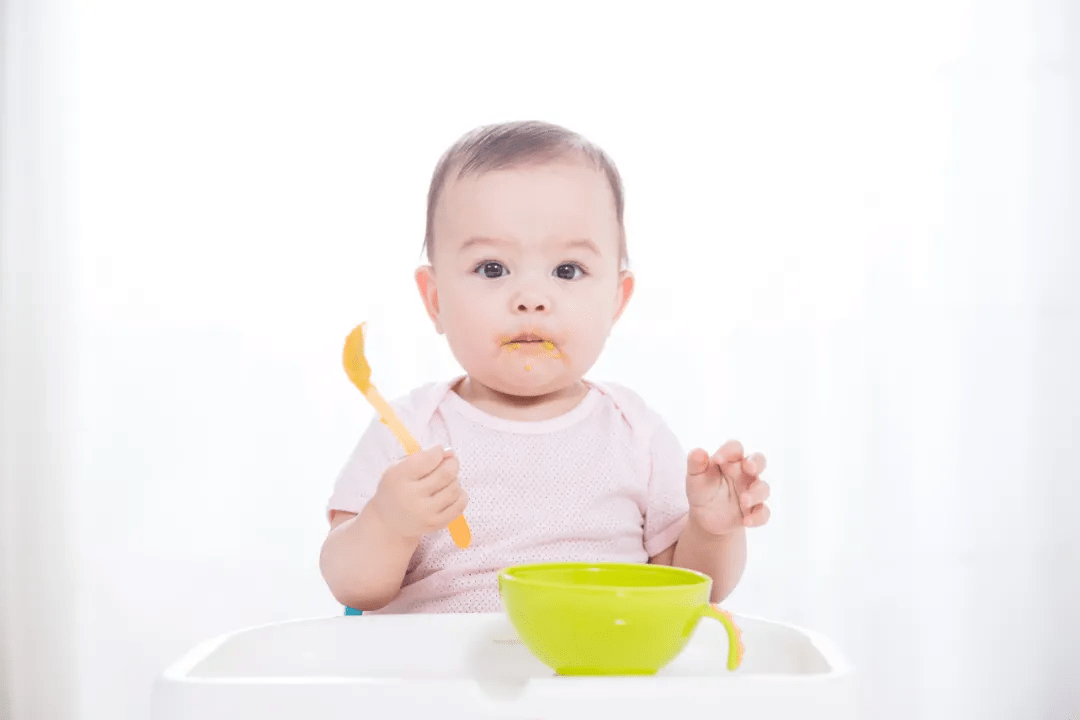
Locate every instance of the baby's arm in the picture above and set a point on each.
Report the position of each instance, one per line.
(363, 560)
(671, 537)
(721, 557)
(365, 556)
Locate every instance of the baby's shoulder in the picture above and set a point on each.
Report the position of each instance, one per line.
(633, 408)
(419, 405)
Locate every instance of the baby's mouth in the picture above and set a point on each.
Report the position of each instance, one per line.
(529, 338)
(528, 341)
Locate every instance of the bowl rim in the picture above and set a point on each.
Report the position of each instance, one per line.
(507, 574)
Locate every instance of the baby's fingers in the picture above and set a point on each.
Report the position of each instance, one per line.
(456, 507)
(754, 465)
(757, 493)
(441, 477)
(697, 462)
(729, 452)
(419, 465)
(758, 517)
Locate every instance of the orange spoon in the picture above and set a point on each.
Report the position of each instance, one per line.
(358, 370)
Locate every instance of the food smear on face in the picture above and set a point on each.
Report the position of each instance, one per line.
(546, 346)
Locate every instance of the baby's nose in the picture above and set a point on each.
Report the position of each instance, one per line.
(531, 299)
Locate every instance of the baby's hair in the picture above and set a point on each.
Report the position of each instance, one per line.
(514, 144)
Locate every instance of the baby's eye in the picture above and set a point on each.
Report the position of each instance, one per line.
(491, 269)
(567, 271)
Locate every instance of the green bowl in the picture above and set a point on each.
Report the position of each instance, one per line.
(609, 618)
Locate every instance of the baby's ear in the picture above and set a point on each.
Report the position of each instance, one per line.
(625, 291)
(425, 283)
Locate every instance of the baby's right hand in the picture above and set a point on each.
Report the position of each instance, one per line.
(420, 493)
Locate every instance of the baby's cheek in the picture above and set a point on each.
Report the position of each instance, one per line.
(468, 327)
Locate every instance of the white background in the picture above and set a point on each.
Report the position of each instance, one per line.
(854, 230)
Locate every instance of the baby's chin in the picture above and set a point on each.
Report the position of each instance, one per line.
(519, 382)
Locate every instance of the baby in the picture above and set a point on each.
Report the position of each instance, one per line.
(527, 276)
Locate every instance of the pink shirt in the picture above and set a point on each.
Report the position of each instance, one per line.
(604, 482)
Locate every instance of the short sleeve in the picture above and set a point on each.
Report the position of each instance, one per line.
(358, 480)
(667, 507)
(378, 448)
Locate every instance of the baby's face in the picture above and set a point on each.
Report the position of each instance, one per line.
(525, 281)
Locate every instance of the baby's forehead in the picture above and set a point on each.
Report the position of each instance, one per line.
(528, 205)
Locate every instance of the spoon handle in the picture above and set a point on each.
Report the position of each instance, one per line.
(459, 532)
(392, 421)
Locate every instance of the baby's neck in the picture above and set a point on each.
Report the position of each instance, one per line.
(516, 407)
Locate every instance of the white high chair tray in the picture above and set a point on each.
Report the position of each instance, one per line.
(473, 667)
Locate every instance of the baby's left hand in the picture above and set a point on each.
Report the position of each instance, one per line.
(725, 491)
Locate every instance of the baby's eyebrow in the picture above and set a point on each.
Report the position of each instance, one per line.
(583, 243)
(482, 241)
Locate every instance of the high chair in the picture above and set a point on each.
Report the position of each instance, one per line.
(474, 667)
